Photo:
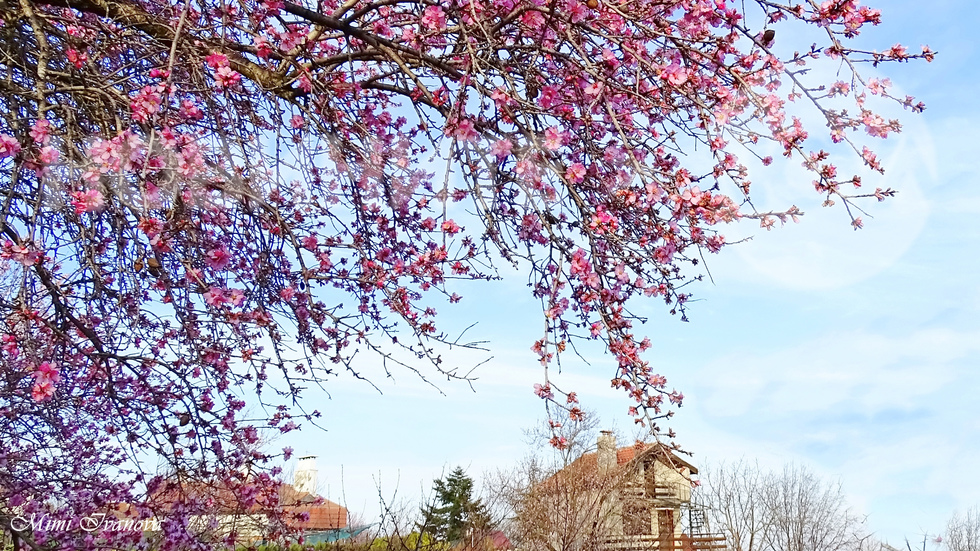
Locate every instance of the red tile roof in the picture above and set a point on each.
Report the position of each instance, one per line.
(322, 514)
(624, 455)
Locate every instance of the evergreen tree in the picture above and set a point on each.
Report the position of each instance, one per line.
(453, 512)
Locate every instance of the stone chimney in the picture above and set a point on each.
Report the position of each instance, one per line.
(606, 455)
(305, 478)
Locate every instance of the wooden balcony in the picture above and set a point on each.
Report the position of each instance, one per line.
(658, 494)
(710, 542)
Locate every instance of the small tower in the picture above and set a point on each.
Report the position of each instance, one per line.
(305, 478)
(606, 445)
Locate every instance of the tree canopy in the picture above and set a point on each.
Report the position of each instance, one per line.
(454, 512)
(208, 205)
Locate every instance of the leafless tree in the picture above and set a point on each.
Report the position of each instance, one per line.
(963, 531)
(552, 509)
(807, 514)
(788, 510)
(734, 494)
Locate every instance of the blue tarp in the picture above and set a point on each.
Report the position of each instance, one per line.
(331, 536)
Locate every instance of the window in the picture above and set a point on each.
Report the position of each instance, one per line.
(637, 520)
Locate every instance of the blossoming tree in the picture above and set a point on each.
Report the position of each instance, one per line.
(209, 204)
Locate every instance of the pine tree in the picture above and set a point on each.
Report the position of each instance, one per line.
(453, 512)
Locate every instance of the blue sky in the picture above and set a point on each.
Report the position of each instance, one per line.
(854, 353)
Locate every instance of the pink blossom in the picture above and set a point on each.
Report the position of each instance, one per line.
(9, 146)
(580, 263)
(578, 12)
(190, 111)
(665, 253)
(48, 155)
(146, 103)
(408, 34)
(226, 77)
(592, 280)
(76, 58)
(527, 169)
(215, 296)
(87, 201)
(42, 391)
(450, 227)
(603, 221)
(870, 158)
(554, 138)
(10, 345)
(675, 75)
(194, 275)
(47, 372)
(533, 20)
(575, 173)
(594, 184)
(502, 148)
(151, 226)
(216, 60)
(45, 377)
(531, 229)
(466, 131)
(840, 87)
(614, 154)
(594, 89)
(24, 255)
(190, 159)
(262, 47)
(41, 132)
(434, 18)
(543, 391)
(559, 442)
(500, 97)
(218, 259)
(715, 243)
(620, 271)
(236, 296)
(609, 57)
(878, 87)
(272, 6)
(550, 95)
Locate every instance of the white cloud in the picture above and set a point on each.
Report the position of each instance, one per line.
(867, 372)
(893, 416)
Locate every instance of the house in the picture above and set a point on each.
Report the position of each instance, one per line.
(220, 509)
(629, 498)
(654, 489)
